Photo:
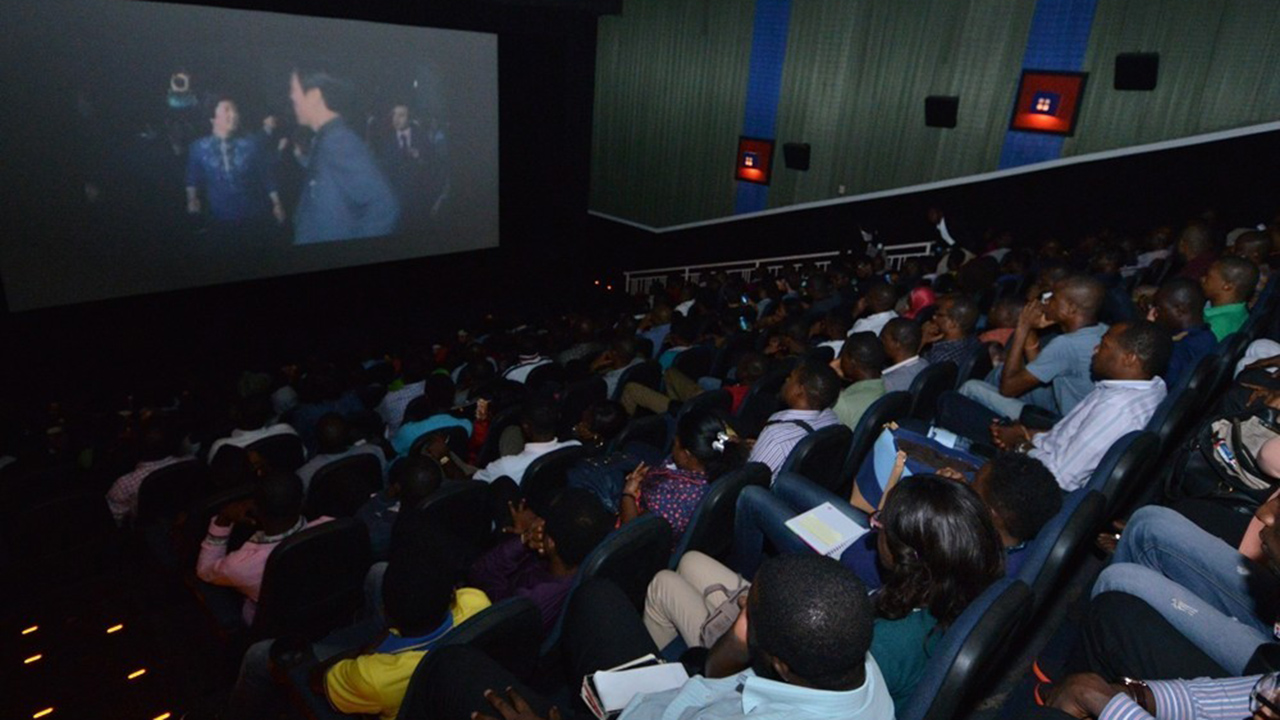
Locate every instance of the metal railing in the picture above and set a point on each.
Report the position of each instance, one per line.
(639, 281)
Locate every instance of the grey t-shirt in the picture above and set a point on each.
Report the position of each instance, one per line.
(1065, 364)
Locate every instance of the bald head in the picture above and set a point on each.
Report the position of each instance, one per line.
(881, 297)
(1085, 295)
(1254, 246)
(1195, 239)
(1179, 305)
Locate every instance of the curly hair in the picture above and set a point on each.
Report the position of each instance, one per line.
(943, 545)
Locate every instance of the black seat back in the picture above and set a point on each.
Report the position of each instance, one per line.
(695, 362)
(971, 648)
(975, 366)
(230, 467)
(282, 452)
(717, 401)
(170, 490)
(890, 407)
(313, 581)
(820, 456)
(652, 430)
(1058, 543)
(761, 401)
(548, 475)
(927, 386)
(489, 451)
(508, 631)
(542, 378)
(575, 399)
(711, 530)
(1124, 467)
(465, 508)
(339, 488)
(647, 373)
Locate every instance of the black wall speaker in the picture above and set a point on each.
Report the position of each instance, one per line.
(796, 155)
(1137, 71)
(940, 110)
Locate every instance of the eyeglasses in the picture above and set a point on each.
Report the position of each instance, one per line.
(1264, 694)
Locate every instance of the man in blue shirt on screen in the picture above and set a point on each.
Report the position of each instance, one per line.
(233, 171)
(344, 194)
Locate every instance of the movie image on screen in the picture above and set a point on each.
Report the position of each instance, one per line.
(171, 146)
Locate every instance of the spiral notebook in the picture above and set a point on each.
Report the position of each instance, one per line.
(826, 530)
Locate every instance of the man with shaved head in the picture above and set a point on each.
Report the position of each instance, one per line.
(1195, 248)
(879, 302)
(1255, 246)
(1054, 377)
(1228, 286)
(1178, 308)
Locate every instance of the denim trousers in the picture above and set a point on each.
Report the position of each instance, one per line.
(1221, 601)
(763, 513)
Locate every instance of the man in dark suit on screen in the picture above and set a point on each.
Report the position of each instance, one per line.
(344, 194)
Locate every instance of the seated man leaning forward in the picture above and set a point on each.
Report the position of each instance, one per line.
(798, 650)
(1055, 377)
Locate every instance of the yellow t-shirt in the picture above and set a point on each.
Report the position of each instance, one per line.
(376, 683)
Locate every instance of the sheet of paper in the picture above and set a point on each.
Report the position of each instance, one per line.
(883, 454)
(616, 688)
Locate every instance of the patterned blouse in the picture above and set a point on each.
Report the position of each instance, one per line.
(674, 495)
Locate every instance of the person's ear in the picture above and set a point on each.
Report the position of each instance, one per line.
(780, 666)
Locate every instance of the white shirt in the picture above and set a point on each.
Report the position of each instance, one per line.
(391, 409)
(308, 470)
(1076, 444)
(245, 438)
(520, 371)
(748, 696)
(513, 466)
(873, 323)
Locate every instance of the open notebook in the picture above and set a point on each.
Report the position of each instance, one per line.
(826, 530)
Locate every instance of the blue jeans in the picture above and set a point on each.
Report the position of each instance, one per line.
(1221, 601)
(763, 514)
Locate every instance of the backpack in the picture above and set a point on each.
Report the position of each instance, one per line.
(1220, 459)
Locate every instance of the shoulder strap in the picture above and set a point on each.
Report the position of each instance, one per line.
(807, 427)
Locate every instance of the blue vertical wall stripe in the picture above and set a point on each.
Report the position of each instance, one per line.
(1058, 40)
(764, 86)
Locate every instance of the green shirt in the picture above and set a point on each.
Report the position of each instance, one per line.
(902, 648)
(855, 400)
(1226, 319)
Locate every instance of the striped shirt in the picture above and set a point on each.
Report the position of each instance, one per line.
(782, 432)
(1203, 699)
(1076, 444)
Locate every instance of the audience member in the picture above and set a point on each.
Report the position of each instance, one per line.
(1228, 285)
(538, 423)
(705, 448)
(809, 393)
(275, 511)
(428, 413)
(334, 441)
(949, 333)
(860, 363)
(1057, 376)
(252, 416)
(410, 385)
(530, 357)
(541, 560)
(1255, 246)
(1178, 308)
(785, 656)
(159, 448)
(1128, 360)
(879, 301)
(1195, 249)
(614, 361)
(410, 480)
(901, 339)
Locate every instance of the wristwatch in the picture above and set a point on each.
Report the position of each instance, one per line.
(1138, 689)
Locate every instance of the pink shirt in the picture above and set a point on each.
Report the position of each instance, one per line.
(243, 568)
